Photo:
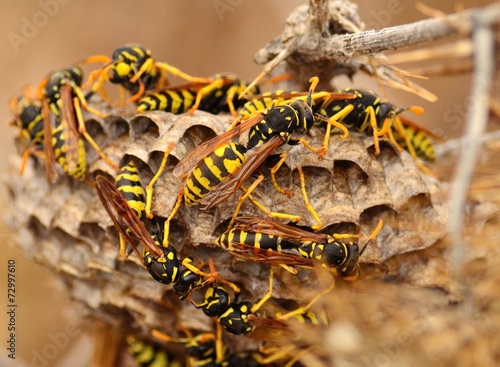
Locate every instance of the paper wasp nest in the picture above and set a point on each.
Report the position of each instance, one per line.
(64, 227)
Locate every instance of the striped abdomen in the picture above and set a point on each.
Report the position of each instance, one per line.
(213, 170)
(128, 182)
(172, 101)
(257, 240)
(60, 146)
(421, 143)
(262, 103)
(147, 355)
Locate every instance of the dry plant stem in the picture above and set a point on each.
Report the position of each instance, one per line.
(343, 47)
(483, 40)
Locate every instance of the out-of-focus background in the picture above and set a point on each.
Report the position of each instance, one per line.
(201, 38)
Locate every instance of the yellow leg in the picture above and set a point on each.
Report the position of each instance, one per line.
(231, 94)
(247, 194)
(305, 308)
(84, 104)
(174, 71)
(123, 246)
(149, 188)
(218, 83)
(268, 295)
(275, 169)
(242, 198)
(83, 131)
(306, 199)
(220, 349)
(166, 225)
(147, 65)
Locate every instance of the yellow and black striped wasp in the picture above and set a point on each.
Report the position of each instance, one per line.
(206, 349)
(267, 241)
(160, 258)
(241, 317)
(218, 96)
(217, 168)
(134, 68)
(27, 111)
(63, 124)
(203, 349)
(364, 112)
(372, 116)
(149, 355)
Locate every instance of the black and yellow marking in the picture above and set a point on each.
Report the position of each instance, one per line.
(373, 117)
(128, 182)
(173, 101)
(133, 67)
(63, 100)
(235, 318)
(202, 349)
(265, 101)
(213, 170)
(221, 95)
(60, 148)
(28, 117)
(254, 239)
(422, 144)
(148, 355)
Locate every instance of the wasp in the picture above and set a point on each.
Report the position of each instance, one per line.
(220, 95)
(146, 354)
(209, 182)
(203, 349)
(128, 182)
(62, 101)
(268, 241)
(207, 349)
(160, 259)
(134, 68)
(371, 115)
(27, 111)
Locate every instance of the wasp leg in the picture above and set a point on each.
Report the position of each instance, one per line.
(83, 130)
(149, 188)
(174, 71)
(373, 123)
(217, 83)
(275, 169)
(270, 66)
(268, 295)
(305, 308)
(247, 194)
(166, 228)
(84, 103)
(306, 199)
(334, 121)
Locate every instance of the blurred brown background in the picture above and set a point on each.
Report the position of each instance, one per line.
(201, 38)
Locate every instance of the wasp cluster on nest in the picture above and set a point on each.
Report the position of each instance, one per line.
(357, 183)
(65, 227)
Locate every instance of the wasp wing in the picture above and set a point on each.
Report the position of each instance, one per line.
(229, 186)
(125, 220)
(48, 149)
(250, 253)
(271, 227)
(204, 149)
